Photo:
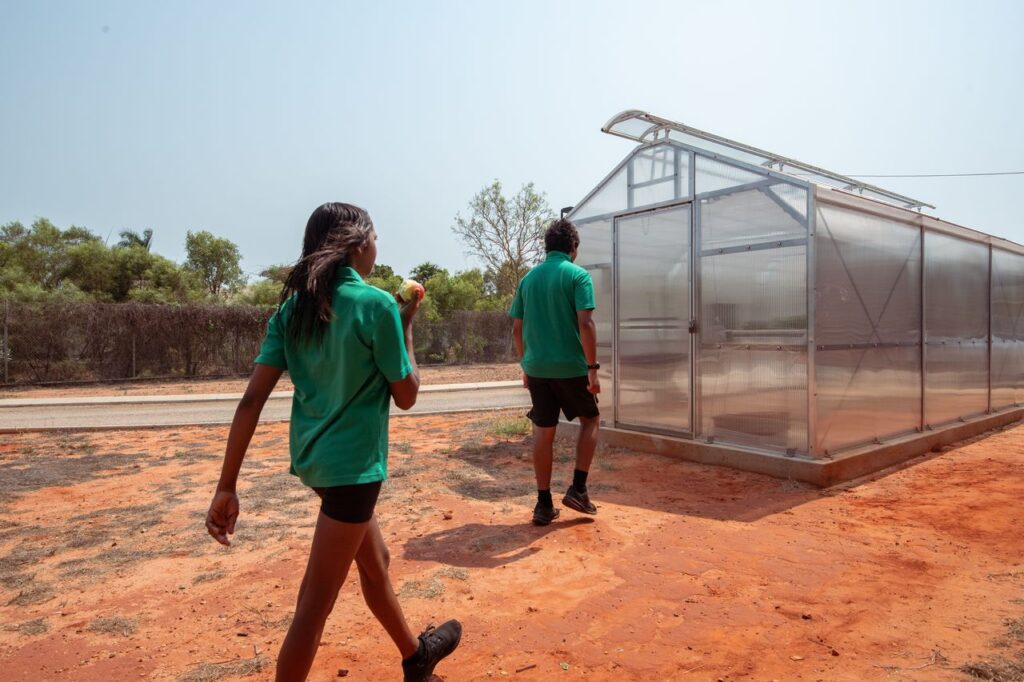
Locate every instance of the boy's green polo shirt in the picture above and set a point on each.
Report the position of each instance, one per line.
(339, 423)
(546, 301)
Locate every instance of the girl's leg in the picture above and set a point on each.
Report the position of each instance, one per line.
(373, 559)
(334, 547)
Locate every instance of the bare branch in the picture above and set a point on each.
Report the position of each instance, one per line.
(505, 233)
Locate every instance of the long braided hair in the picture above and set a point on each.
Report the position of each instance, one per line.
(333, 231)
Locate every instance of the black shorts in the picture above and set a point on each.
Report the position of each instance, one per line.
(349, 503)
(568, 395)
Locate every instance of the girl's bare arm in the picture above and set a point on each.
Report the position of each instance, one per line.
(220, 520)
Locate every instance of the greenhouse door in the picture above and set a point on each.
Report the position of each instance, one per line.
(652, 320)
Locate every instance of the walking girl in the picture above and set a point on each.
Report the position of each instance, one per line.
(348, 349)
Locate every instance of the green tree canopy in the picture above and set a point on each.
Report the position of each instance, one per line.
(425, 270)
(215, 260)
(277, 273)
(131, 238)
(384, 277)
(265, 293)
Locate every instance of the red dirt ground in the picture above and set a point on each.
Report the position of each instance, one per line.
(687, 572)
(433, 374)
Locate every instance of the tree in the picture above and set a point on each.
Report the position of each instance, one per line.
(384, 277)
(161, 281)
(461, 291)
(214, 260)
(41, 255)
(506, 234)
(91, 267)
(277, 273)
(265, 293)
(425, 270)
(130, 238)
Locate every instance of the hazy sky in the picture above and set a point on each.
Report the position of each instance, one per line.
(241, 117)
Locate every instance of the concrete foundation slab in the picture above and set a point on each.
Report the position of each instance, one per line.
(824, 472)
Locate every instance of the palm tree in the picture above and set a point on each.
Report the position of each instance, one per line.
(131, 238)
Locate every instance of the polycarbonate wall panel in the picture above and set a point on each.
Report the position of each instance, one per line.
(659, 174)
(1007, 329)
(714, 175)
(653, 320)
(595, 255)
(867, 328)
(956, 328)
(752, 357)
(611, 198)
(755, 216)
(652, 175)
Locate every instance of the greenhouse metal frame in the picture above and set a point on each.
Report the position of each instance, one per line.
(752, 301)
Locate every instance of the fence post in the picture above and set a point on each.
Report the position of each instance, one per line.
(7, 345)
(134, 374)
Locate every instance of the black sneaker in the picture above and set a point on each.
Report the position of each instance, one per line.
(437, 643)
(542, 515)
(578, 501)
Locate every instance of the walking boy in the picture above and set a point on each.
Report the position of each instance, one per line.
(556, 340)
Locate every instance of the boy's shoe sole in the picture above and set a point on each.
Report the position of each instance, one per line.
(578, 501)
(543, 516)
(437, 644)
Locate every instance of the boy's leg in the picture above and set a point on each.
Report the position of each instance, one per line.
(586, 444)
(544, 512)
(544, 415)
(372, 560)
(581, 404)
(334, 547)
(543, 455)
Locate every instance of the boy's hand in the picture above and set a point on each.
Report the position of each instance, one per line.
(593, 383)
(220, 520)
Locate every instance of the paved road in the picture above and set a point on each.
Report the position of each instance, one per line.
(148, 411)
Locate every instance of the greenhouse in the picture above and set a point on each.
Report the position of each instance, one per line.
(749, 301)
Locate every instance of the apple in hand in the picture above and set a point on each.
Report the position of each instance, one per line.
(410, 291)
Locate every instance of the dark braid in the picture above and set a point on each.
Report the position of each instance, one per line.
(333, 231)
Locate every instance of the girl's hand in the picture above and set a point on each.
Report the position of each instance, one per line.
(220, 520)
(408, 310)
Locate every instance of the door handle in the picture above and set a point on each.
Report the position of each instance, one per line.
(693, 326)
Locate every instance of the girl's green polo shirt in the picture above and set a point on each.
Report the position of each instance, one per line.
(339, 422)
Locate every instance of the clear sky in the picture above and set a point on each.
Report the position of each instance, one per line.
(241, 117)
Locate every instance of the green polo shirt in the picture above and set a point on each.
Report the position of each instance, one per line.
(339, 423)
(546, 301)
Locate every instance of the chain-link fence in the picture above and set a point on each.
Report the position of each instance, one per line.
(65, 342)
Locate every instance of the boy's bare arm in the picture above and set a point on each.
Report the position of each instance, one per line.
(588, 337)
(517, 341)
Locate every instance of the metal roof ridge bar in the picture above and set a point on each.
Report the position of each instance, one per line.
(658, 123)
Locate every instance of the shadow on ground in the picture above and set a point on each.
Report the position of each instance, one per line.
(502, 472)
(484, 545)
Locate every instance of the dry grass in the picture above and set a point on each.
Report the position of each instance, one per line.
(34, 593)
(453, 572)
(209, 672)
(114, 625)
(31, 627)
(208, 577)
(427, 589)
(1001, 668)
(77, 463)
(276, 492)
(997, 670)
(1015, 630)
(509, 427)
